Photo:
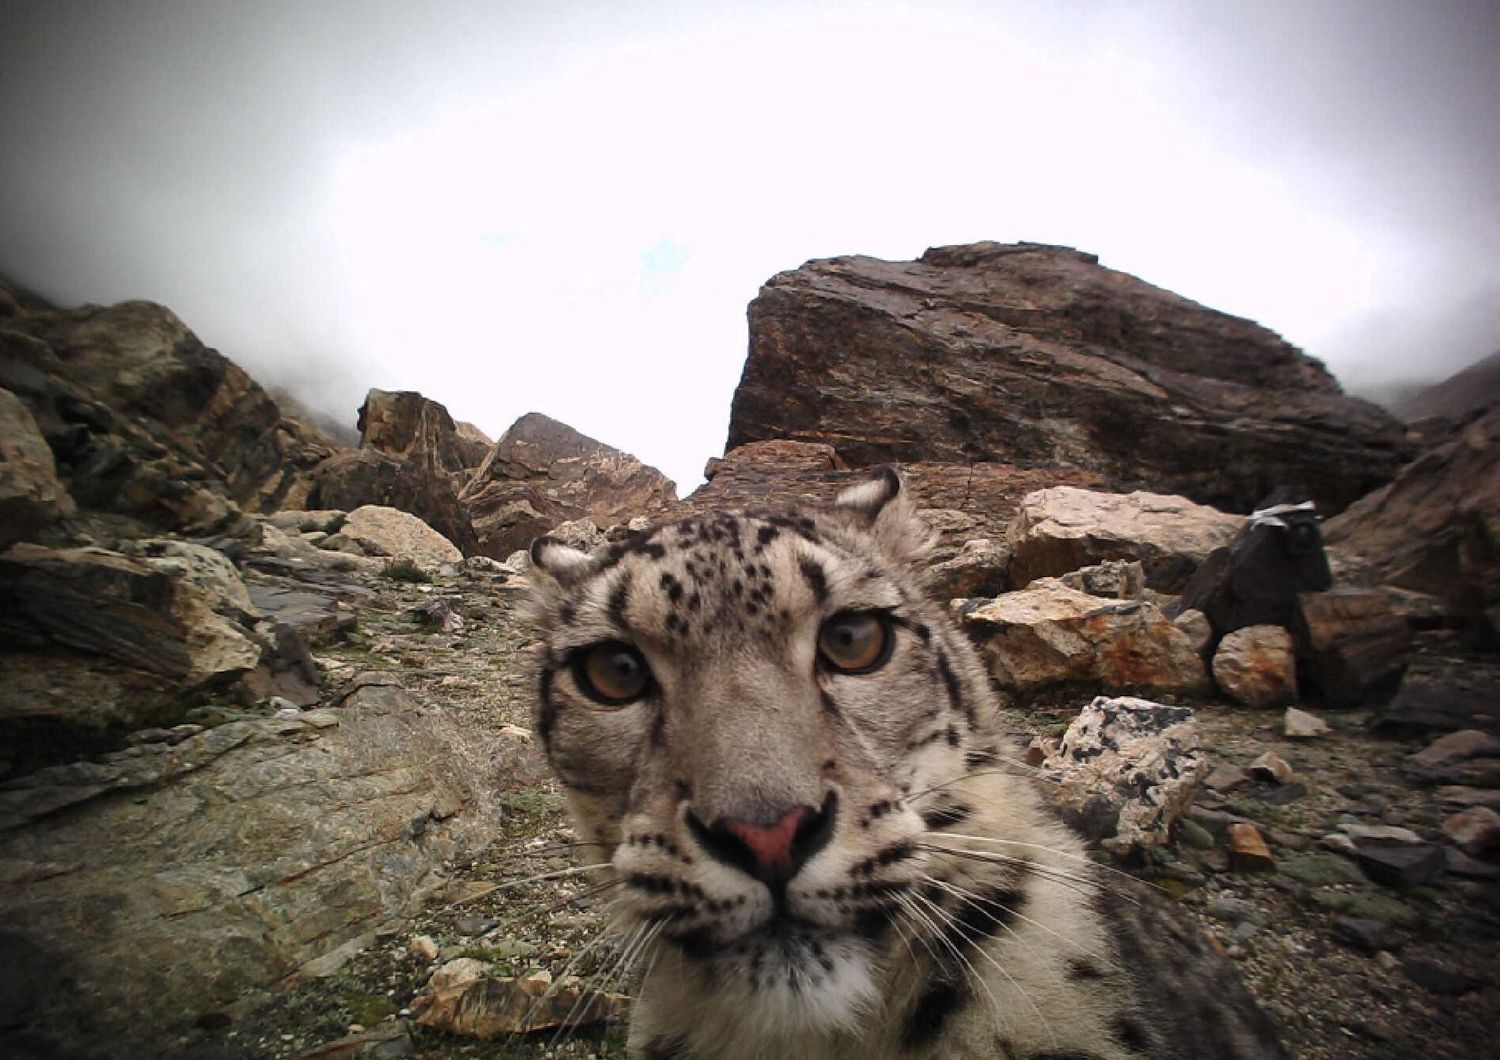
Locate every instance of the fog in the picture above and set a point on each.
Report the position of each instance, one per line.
(566, 207)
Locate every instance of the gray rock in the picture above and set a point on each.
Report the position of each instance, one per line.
(1401, 864)
(1137, 758)
(1118, 578)
(1369, 936)
(195, 873)
(1300, 725)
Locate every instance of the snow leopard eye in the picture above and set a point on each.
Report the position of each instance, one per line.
(612, 673)
(855, 642)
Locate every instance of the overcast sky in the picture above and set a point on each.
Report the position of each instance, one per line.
(566, 206)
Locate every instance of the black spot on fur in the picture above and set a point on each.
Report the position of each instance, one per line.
(829, 706)
(817, 580)
(567, 614)
(673, 587)
(946, 815)
(618, 597)
(1131, 1034)
(983, 915)
(981, 756)
(955, 694)
(928, 1016)
(766, 534)
(1081, 970)
(1061, 1055)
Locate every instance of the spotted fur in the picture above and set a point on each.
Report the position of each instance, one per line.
(928, 905)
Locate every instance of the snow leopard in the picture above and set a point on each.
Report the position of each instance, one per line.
(792, 770)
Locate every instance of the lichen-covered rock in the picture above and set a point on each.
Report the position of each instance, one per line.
(1257, 666)
(463, 999)
(94, 643)
(146, 421)
(1048, 634)
(407, 426)
(981, 568)
(1125, 770)
(31, 496)
(1121, 579)
(1038, 356)
(1063, 529)
(185, 876)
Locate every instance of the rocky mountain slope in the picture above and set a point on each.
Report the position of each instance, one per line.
(1038, 356)
(1457, 396)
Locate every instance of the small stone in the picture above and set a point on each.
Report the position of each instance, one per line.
(1438, 979)
(1457, 747)
(1379, 833)
(424, 948)
(1226, 777)
(1247, 849)
(1460, 864)
(474, 925)
(1339, 843)
(1476, 830)
(1367, 935)
(1234, 910)
(1196, 625)
(1320, 870)
(1300, 725)
(1402, 864)
(1460, 795)
(1192, 834)
(1273, 767)
(1283, 795)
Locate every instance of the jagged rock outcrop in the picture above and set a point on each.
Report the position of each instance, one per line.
(542, 472)
(31, 497)
(94, 643)
(1038, 356)
(405, 425)
(1436, 528)
(144, 420)
(1458, 396)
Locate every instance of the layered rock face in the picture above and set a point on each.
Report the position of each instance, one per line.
(1038, 356)
(146, 421)
(1436, 528)
(541, 473)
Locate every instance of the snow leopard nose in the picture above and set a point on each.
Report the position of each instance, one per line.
(772, 853)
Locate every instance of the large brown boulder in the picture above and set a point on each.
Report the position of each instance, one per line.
(1436, 528)
(542, 472)
(1038, 356)
(146, 421)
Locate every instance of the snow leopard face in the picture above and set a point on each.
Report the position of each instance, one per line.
(756, 717)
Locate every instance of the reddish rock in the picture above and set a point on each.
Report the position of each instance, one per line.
(1256, 666)
(542, 472)
(352, 480)
(1457, 747)
(1476, 830)
(1436, 528)
(1048, 635)
(1035, 355)
(1248, 851)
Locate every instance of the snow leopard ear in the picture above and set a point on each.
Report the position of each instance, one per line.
(560, 561)
(881, 506)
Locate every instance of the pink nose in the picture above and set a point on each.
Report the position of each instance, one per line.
(771, 844)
